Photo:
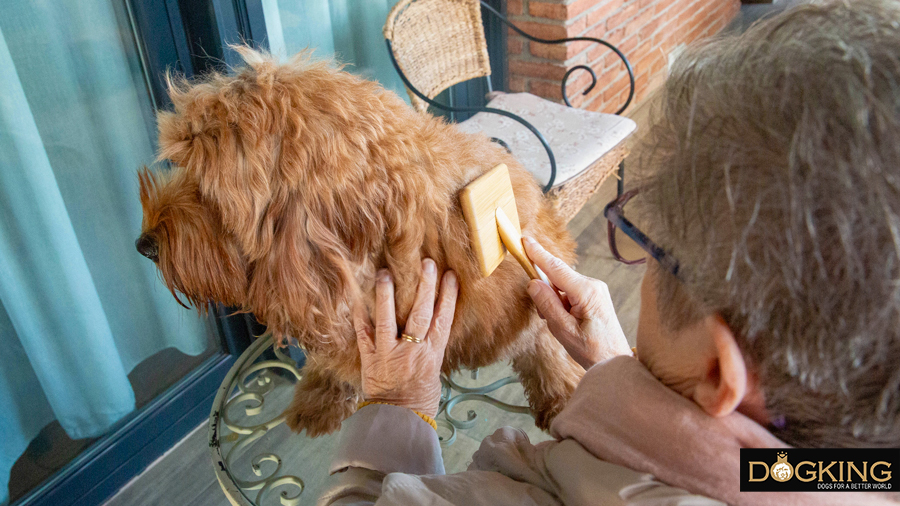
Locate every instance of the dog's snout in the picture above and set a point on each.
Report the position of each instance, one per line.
(147, 246)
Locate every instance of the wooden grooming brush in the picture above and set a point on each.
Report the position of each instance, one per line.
(489, 207)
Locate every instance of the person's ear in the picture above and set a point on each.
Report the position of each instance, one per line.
(724, 383)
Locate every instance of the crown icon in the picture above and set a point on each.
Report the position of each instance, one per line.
(782, 470)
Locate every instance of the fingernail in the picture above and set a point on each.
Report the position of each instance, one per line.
(384, 276)
(428, 266)
(529, 239)
(451, 278)
(533, 287)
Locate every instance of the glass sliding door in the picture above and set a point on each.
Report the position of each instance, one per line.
(348, 31)
(94, 347)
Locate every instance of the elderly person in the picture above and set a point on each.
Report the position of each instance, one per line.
(770, 312)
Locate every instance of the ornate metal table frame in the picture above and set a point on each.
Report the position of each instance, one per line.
(248, 382)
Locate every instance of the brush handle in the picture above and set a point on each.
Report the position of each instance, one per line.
(512, 239)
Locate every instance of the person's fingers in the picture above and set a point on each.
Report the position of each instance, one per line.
(548, 304)
(419, 320)
(560, 274)
(446, 307)
(363, 327)
(385, 320)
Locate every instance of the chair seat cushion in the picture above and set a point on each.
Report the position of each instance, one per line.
(577, 137)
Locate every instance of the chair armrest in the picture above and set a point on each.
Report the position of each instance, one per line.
(577, 67)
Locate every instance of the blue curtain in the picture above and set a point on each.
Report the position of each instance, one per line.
(350, 31)
(79, 308)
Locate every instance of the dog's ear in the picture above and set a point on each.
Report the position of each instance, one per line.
(304, 285)
(221, 134)
(147, 183)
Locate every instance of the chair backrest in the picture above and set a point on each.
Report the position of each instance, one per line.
(437, 43)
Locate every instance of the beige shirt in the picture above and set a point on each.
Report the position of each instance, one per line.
(624, 439)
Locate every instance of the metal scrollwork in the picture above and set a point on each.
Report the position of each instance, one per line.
(602, 42)
(449, 400)
(244, 391)
(565, 81)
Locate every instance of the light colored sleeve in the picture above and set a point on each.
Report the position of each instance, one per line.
(389, 456)
(377, 440)
(388, 439)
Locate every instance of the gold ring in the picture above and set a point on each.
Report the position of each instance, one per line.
(407, 337)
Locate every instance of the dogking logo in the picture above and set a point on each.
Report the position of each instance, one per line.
(804, 469)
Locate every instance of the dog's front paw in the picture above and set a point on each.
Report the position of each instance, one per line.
(320, 408)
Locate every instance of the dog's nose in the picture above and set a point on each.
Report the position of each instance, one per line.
(148, 247)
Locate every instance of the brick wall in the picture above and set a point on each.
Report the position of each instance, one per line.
(646, 31)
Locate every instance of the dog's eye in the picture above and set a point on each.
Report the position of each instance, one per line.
(147, 246)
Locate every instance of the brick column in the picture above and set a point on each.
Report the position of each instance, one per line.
(646, 31)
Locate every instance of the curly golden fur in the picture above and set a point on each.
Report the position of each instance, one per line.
(294, 183)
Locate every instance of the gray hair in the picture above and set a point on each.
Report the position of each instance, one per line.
(773, 175)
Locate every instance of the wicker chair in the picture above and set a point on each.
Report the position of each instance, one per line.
(435, 44)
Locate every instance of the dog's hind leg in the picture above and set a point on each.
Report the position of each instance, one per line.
(548, 374)
(321, 402)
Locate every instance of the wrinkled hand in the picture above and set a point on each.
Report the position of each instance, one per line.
(396, 371)
(583, 319)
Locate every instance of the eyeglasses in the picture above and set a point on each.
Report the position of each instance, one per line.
(614, 212)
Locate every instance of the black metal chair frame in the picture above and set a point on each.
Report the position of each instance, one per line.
(514, 117)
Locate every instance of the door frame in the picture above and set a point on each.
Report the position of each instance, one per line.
(162, 43)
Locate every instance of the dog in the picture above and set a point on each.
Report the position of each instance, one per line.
(292, 184)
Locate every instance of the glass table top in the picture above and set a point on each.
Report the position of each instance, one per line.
(259, 461)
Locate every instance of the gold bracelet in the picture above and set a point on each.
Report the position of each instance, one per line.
(423, 416)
